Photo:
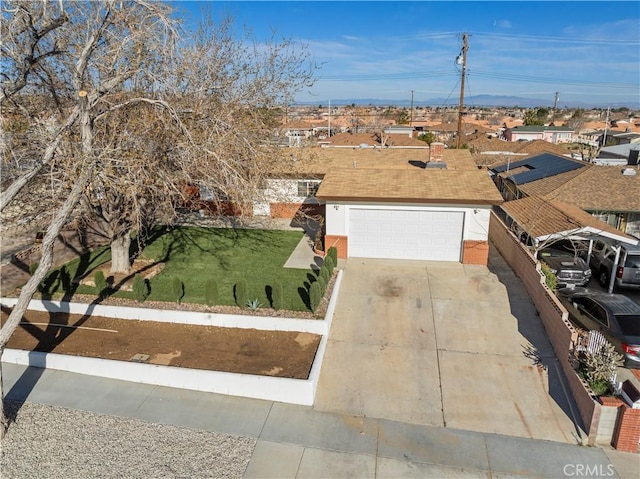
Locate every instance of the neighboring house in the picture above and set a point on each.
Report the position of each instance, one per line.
(511, 176)
(552, 134)
(625, 154)
(301, 130)
(437, 210)
(448, 131)
(400, 130)
(380, 139)
(609, 193)
(540, 222)
(626, 138)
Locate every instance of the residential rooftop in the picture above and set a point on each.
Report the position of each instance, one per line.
(469, 187)
(317, 161)
(542, 217)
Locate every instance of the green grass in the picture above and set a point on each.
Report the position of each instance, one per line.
(194, 255)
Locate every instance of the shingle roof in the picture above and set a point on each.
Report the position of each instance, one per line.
(548, 185)
(541, 217)
(601, 188)
(318, 161)
(371, 139)
(412, 186)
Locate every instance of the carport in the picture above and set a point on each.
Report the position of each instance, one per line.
(541, 222)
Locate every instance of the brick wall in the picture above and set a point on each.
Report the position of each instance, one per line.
(554, 317)
(475, 252)
(340, 242)
(627, 432)
(283, 210)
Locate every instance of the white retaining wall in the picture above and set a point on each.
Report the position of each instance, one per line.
(295, 391)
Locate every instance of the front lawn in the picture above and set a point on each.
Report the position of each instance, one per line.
(194, 255)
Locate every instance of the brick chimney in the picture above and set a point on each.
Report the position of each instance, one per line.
(436, 151)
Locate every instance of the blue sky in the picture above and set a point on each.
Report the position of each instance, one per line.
(588, 51)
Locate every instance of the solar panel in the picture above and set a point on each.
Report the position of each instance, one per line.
(540, 166)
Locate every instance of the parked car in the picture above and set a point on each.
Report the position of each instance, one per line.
(614, 315)
(628, 271)
(569, 268)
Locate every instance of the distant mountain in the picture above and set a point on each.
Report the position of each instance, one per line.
(477, 100)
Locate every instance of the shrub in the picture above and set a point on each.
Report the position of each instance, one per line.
(315, 295)
(140, 288)
(325, 274)
(178, 289)
(33, 267)
(329, 263)
(211, 292)
(100, 282)
(241, 293)
(323, 284)
(549, 277)
(598, 368)
(253, 304)
(333, 253)
(277, 294)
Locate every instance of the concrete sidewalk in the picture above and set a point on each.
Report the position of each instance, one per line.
(299, 442)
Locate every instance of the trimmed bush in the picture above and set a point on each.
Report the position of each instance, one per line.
(100, 282)
(323, 284)
(277, 294)
(329, 263)
(140, 288)
(333, 252)
(325, 274)
(241, 293)
(315, 295)
(211, 291)
(178, 289)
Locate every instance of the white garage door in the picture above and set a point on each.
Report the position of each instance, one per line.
(405, 234)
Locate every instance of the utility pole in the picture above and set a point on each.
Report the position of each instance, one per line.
(555, 105)
(606, 127)
(464, 72)
(411, 120)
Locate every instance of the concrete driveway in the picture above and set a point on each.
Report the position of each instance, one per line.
(443, 344)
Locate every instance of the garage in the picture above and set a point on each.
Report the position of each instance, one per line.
(405, 234)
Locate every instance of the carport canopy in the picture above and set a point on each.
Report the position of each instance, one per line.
(547, 221)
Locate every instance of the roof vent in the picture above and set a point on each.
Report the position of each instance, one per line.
(629, 172)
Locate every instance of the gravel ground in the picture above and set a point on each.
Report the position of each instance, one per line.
(54, 442)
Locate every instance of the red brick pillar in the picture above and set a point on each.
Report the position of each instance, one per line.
(627, 431)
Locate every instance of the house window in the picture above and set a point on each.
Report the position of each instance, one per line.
(307, 188)
(212, 194)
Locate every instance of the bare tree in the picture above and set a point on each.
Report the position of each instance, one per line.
(136, 123)
(104, 48)
(27, 41)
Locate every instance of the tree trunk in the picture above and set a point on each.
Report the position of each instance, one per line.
(30, 288)
(120, 254)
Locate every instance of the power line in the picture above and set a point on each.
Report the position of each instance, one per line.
(558, 39)
(564, 81)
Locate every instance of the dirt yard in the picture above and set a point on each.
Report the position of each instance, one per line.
(250, 351)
